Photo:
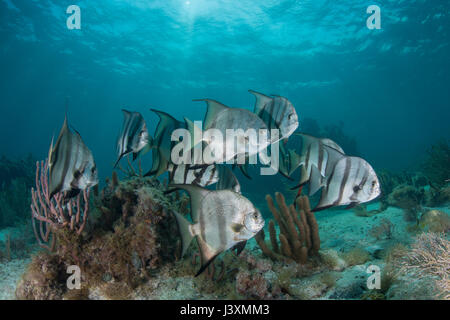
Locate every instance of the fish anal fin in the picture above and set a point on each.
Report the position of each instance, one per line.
(207, 255)
(240, 246)
(316, 209)
(351, 205)
(315, 181)
(184, 227)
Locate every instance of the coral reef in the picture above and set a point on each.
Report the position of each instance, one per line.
(436, 166)
(409, 199)
(437, 197)
(435, 221)
(299, 232)
(130, 235)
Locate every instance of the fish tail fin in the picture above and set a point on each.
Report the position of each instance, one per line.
(315, 181)
(185, 232)
(207, 255)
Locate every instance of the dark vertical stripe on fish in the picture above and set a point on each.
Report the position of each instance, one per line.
(221, 225)
(308, 153)
(211, 176)
(344, 180)
(320, 156)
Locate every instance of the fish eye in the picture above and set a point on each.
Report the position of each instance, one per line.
(255, 215)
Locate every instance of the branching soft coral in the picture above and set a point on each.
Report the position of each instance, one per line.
(429, 257)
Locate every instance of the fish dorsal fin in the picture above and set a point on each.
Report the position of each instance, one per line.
(50, 152)
(315, 180)
(333, 157)
(165, 120)
(197, 194)
(330, 143)
(207, 255)
(126, 114)
(214, 108)
(64, 130)
(306, 140)
(261, 101)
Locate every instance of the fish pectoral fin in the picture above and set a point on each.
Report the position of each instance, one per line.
(236, 227)
(207, 255)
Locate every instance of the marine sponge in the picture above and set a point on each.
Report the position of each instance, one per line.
(409, 199)
(299, 231)
(356, 256)
(435, 221)
(382, 231)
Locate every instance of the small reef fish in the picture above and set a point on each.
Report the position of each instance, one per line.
(221, 220)
(351, 182)
(316, 152)
(277, 113)
(71, 165)
(162, 144)
(223, 118)
(133, 137)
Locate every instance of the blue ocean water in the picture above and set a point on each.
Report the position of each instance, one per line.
(387, 87)
(381, 93)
